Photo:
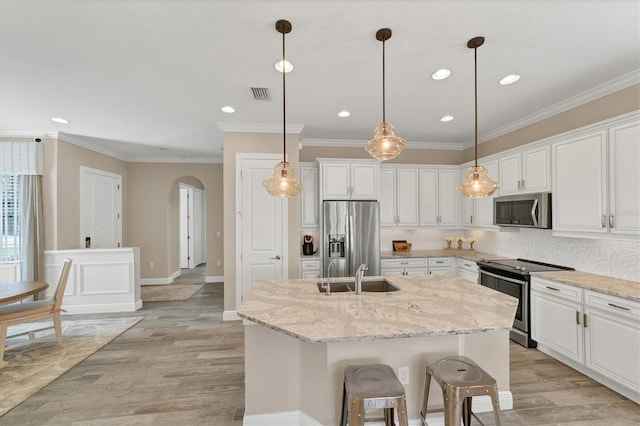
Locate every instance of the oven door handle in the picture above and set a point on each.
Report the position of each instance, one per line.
(501, 277)
(533, 212)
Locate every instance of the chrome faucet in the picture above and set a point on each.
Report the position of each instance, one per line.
(327, 285)
(359, 275)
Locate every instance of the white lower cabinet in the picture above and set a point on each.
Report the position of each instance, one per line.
(408, 266)
(310, 269)
(467, 269)
(441, 266)
(596, 333)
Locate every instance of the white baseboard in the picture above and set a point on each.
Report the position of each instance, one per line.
(102, 308)
(230, 316)
(160, 281)
(214, 279)
(480, 404)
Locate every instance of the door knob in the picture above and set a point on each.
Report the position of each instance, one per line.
(277, 257)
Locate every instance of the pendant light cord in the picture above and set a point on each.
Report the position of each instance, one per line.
(475, 79)
(384, 119)
(284, 105)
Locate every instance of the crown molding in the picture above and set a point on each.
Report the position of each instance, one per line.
(27, 134)
(186, 160)
(259, 128)
(354, 143)
(74, 140)
(592, 94)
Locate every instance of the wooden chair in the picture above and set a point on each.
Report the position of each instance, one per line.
(25, 312)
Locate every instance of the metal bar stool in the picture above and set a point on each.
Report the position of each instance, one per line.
(460, 379)
(372, 386)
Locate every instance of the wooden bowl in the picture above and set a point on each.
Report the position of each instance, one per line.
(402, 247)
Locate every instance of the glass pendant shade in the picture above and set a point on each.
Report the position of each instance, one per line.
(385, 145)
(283, 183)
(477, 183)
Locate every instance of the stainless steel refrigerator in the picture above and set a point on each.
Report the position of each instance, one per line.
(351, 236)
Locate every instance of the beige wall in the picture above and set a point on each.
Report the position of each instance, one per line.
(617, 103)
(235, 143)
(153, 214)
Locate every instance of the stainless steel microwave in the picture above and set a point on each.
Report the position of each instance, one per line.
(523, 210)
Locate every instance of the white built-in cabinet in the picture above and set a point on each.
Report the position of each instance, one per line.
(525, 171)
(596, 181)
(349, 179)
(418, 266)
(310, 269)
(478, 212)
(594, 332)
(309, 195)
(439, 197)
(467, 269)
(398, 196)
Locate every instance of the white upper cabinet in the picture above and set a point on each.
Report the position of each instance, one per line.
(398, 196)
(349, 179)
(438, 197)
(525, 171)
(309, 195)
(596, 182)
(478, 212)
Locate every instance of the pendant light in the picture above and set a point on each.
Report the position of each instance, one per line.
(477, 183)
(283, 183)
(385, 145)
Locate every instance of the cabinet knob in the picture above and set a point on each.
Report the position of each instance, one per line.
(610, 221)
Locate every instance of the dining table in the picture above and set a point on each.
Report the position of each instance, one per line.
(13, 291)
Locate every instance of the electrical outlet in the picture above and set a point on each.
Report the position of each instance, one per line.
(219, 263)
(151, 265)
(403, 375)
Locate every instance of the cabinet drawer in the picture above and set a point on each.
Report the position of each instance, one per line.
(403, 263)
(440, 261)
(467, 264)
(310, 265)
(564, 291)
(613, 304)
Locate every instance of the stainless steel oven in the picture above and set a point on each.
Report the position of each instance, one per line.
(511, 276)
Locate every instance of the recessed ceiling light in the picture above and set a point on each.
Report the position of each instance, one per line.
(288, 66)
(509, 79)
(446, 118)
(60, 120)
(441, 74)
(228, 109)
(344, 114)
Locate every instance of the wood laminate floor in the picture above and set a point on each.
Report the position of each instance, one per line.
(182, 365)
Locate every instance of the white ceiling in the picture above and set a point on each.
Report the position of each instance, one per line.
(147, 78)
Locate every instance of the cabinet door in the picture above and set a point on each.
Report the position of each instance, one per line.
(429, 198)
(448, 197)
(407, 197)
(579, 183)
(388, 197)
(440, 270)
(364, 181)
(310, 274)
(390, 272)
(624, 176)
(613, 347)
(483, 209)
(335, 181)
(554, 323)
(536, 176)
(510, 174)
(309, 196)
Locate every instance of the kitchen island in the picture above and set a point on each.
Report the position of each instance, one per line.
(299, 341)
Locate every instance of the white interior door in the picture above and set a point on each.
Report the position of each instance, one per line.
(100, 208)
(185, 254)
(198, 227)
(261, 231)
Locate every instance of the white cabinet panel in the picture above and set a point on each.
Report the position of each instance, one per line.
(387, 197)
(407, 196)
(448, 197)
(309, 196)
(483, 207)
(510, 174)
(429, 211)
(336, 181)
(364, 181)
(349, 179)
(624, 179)
(536, 170)
(438, 197)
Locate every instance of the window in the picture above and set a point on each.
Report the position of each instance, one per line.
(10, 225)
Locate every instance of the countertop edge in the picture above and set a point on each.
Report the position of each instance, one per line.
(581, 279)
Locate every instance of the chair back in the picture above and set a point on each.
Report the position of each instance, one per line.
(62, 284)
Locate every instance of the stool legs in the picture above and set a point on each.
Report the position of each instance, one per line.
(495, 401)
(425, 397)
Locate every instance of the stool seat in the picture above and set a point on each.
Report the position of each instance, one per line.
(372, 386)
(460, 379)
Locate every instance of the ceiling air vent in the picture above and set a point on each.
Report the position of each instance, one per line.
(261, 93)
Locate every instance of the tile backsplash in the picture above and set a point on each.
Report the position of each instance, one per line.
(614, 258)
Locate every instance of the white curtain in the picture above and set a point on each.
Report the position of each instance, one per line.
(31, 232)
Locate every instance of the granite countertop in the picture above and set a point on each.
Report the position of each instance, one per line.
(614, 286)
(425, 305)
(464, 254)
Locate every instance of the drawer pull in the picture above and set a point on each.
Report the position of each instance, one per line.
(553, 288)
(619, 307)
(584, 320)
(578, 317)
(404, 263)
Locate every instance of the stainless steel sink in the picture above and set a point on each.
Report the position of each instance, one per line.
(380, 286)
